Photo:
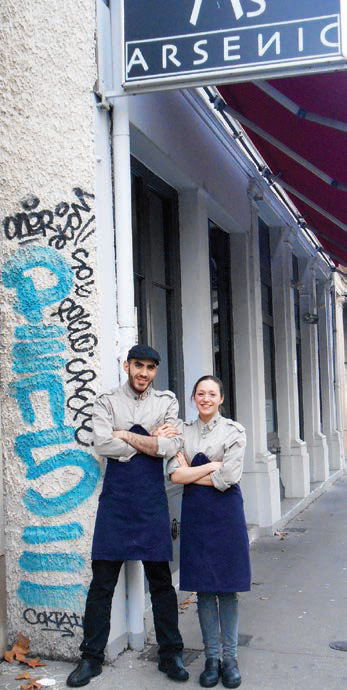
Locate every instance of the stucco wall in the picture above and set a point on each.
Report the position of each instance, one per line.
(49, 332)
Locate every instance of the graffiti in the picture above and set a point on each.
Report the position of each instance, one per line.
(67, 223)
(42, 278)
(78, 326)
(54, 621)
(83, 273)
(79, 401)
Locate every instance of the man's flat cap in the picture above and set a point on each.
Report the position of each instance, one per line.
(143, 352)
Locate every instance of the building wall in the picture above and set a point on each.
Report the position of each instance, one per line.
(3, 635)
(50, 366)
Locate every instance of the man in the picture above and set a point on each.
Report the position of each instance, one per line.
(135, 428)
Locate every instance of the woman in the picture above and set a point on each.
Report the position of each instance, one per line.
(214, 541)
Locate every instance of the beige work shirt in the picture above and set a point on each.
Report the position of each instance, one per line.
(221, 440)
(121, 408)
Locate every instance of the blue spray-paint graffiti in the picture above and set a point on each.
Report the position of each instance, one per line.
(37, 355)
(31, 301)
(47, 535)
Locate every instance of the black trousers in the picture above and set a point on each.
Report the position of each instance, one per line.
(99, 602)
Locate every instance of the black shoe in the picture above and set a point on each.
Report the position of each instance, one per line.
(209, 677)
(230, 674)
(174, 668)
(82, 674)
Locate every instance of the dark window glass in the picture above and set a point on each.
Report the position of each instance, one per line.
(157, 274)
(220, 281)
(296, 293)
(268, 329)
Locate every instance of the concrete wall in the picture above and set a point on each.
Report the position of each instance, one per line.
(49, 363)
(2, 558)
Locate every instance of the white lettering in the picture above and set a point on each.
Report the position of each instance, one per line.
(300, 39)
(262, 8)
(263, 48)
(236, 5)
(169, 52)
(200, 51)
(228, 48)
(137, 59)
(323, 36)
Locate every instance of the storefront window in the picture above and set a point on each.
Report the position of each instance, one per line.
(296, 293)
(220, 281)
(268, 333)
(157, 274)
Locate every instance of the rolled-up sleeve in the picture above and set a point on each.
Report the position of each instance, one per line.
(168, 447)
(172, 466)
(104, 443)
(231, 469)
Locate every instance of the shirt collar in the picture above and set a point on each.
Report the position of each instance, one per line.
(136, 396)
(210, 425)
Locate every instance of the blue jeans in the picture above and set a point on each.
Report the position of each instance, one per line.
(223, 616)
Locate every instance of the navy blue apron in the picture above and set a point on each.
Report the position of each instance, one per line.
(132, 522)
(214, 539)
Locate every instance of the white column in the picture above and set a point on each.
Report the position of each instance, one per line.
(315, 439)
(260, 481)
(294, 459)
(195, 288)
(326, 356)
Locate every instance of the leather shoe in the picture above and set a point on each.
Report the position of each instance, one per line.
(209, 677)
(174, 668)
(82, 674)
(230, 674)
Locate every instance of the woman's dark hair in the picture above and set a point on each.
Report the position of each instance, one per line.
(209, 377)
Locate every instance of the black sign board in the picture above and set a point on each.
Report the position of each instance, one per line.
(174, 43)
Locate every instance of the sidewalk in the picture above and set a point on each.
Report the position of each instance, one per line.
(298, 604)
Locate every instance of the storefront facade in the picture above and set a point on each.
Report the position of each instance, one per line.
(142, 220)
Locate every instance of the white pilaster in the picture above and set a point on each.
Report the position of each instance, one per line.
(195, 289)
(315, 439)
(294, 462)
(326, 354)
(260, 481)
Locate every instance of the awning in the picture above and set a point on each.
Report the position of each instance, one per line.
(299, 125)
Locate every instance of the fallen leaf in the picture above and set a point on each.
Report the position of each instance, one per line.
(19, 649)
(34, 662)
(23, 676)
(33, 685)
(23, 642)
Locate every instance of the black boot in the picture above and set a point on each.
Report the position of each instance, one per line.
(82, 674)
(230, 674)
(209, 677)
(174, 668)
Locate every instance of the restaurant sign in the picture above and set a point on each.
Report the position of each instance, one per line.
(176, 43)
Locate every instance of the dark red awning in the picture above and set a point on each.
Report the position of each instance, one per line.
(313, 171)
